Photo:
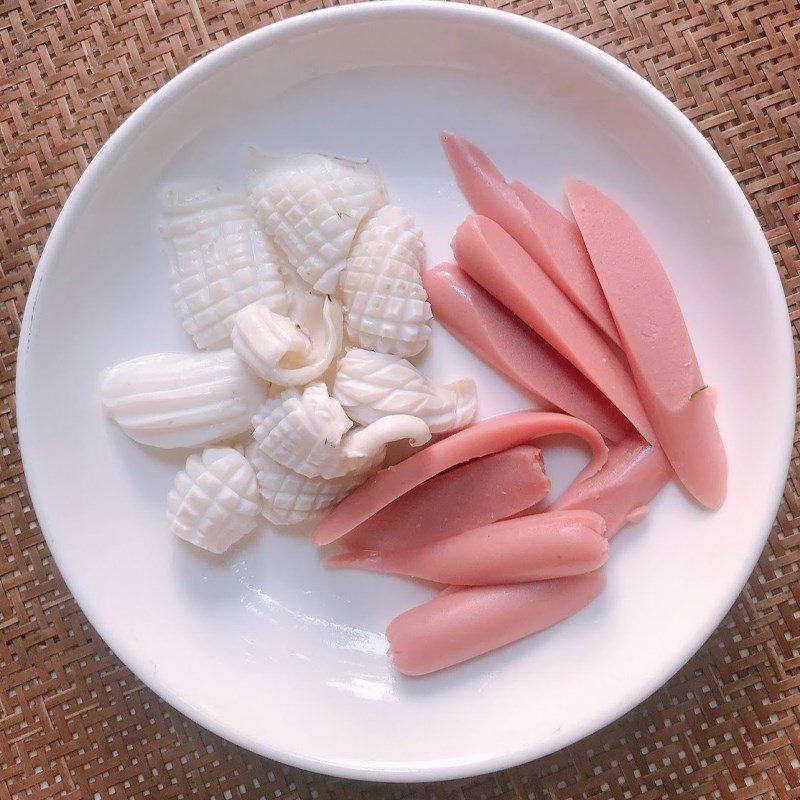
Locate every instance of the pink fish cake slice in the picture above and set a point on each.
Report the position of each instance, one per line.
(656, 341)
(536, 547)
(633, 475)
(477, 493)
(462, 623)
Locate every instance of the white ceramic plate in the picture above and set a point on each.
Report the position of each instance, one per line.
(266, 647)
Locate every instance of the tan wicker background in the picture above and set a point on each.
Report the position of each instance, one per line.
(75, 723)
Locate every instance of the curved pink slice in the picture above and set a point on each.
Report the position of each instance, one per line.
(493, 436)
(656, 341)
(633, 475)
(460, 624)
(506, 343)
(549, 238)
(492, 258)
(537, 547)
(477, 493)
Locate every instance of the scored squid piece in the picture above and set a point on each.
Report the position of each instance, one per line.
(492, 436)
(220, 261)
(656, 341)
(476, 493)
(374, 385)
(214, 502)
(633, 475)
(312, 206)
(536, 547)
(507, 344)
(308, 432)
(385, 303)
(492, 258)
(548, 237)
(463, 623)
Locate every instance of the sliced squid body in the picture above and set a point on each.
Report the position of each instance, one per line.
(462, 623)
(507, 344)
(288, 498)
(374, 385)
(313, 205)
(474, 494)
(532, 548)
(306, 433)
(493, 436)
(492, 258)
(220, 261)
(182, 400)
(386, 308)
(548, 237)
(286, 351)
(633, 475)
(656, 341)
(215, 500)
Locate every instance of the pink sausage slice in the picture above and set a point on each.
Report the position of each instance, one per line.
(533, 548)
(492, 436)
(506, 343)
(460, 624)
(476, 493)
(547, 236)
(633, 475)
(656, 341)
(492, 258)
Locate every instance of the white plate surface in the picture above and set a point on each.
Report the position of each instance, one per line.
(266, 647)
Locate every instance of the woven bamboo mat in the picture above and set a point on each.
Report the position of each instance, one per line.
(75, 723)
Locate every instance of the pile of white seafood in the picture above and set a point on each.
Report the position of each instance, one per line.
(304, 299)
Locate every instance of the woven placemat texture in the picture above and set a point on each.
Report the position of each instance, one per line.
(75, 723)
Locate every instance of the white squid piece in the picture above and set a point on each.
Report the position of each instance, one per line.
(288, 498)
(386, 306)
(286, 351)
(215, 500)
(308, 433)
(374, 385)
(312, 205)
(220, 261)
(181, 400)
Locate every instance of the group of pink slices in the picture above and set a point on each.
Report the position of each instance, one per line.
(582, 315)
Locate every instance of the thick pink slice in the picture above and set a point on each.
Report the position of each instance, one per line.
(477, 493)
(547, 236)
(492, 258)
(633, 475)
(463, 623)
(506, 343)
(656, 341)
(533, 548)
(493, 436)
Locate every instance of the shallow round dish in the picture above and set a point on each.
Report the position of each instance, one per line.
(266, 647)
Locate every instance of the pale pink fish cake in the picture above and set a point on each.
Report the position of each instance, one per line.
(656, 341)
(535, 547)
(633, 475)
(463, 623)
(476, 493)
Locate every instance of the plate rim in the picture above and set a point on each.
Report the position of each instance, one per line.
(447, 768)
